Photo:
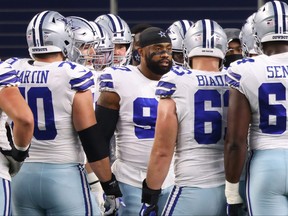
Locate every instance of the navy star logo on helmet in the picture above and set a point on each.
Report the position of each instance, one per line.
(162, 34)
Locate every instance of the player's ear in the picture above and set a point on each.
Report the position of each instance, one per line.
(141, 51)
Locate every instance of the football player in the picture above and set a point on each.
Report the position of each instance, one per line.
(15, 147)
(258, 107)
(121, 37)
(191, 122)
(177, 32)
(127, 103)
(58, 92)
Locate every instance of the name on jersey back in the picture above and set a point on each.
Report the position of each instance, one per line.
(39, 76)
(204, 80)
(279, 72)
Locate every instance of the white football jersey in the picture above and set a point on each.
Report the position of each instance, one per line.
(136, 124)
(49, 90)
(201, 100)
(8, 77)
(264, 81)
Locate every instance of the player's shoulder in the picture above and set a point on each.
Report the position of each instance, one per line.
(119, 74)
(8, 75)
(168, 83)
(17, 62)
(244, 63)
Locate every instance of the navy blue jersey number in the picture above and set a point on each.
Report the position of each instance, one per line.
(269, 111)
(208, 123)
(41, 96)
(144, 117)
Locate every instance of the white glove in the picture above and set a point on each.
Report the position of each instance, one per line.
(112, 204)
(96, 190)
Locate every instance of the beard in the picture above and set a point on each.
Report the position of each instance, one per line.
(155, 66)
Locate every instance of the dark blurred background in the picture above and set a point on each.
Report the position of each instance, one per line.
(16, 14)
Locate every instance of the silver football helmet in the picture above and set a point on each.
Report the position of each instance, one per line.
(205, 38)
(271, 23)
(85, 40)
(121, 34)
(104, 50)
(49, 32)
(176, 32)
(247, 38)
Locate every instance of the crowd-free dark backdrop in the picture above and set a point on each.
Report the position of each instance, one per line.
(16, 14)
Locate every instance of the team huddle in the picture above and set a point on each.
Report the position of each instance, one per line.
(108, 120)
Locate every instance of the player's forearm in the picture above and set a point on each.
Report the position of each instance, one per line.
(23, 128)
(102, 169)
(234, 159)
(157, 170)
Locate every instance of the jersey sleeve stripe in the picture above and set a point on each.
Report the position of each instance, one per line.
(84, 86)
(82, 83)
(106, 82)
(9, 78)
(232, 82)
(165, 88)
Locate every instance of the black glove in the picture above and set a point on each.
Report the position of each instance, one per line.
(14, 156)
(149, 199)
(113, 196)
(236, 210)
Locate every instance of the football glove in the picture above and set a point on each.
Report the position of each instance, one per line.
(236, 210)
(149, 199)
(14, 156)
(96, 190)
(112, 196)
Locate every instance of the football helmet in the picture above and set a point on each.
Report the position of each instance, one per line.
(177, 32)
(121, 34)
(49, 32)
(104, 50)
(85, 40)
(271, 22)
(205, 38)
(247, 38)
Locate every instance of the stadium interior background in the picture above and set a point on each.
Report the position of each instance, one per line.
(16, 14)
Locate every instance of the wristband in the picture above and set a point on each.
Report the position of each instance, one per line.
(232, 193)
(92, 178)
(111, 187)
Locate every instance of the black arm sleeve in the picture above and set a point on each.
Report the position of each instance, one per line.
(93, 143)
(96, 139)
(107, 120)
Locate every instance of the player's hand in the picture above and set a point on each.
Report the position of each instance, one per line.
(148, 210)
(14, 156)
(113, 196)
(112, 204)
(236, 209)
(149, 199)
(14, 166)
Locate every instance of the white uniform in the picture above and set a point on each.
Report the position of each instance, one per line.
(8, 77)
(201, 100)
(136, 124)
(56, 154)
(263, 81)
(267, 89)
(134, 133)
(52, 87)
